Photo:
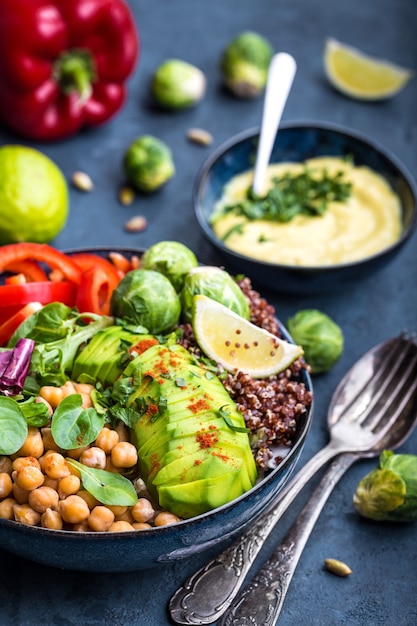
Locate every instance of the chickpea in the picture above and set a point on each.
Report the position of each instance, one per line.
(68, 389)
(118, 527)
(143, 510)
(74, 509)
(117, 509)
(141, 526)
(20, 495)
(107, 439)
(86, 401)
(29, 478)
(124, 454)
(68, 486)
(83, 388)
(43, 498)
(165, 519)
(110, 467)
(48, 440)
(75, 453)
(33, 444)
(100, 519)
(51, 519)
(94, 457)
(53, 395)
(24, 514)
(54, 465)
(6, 508)
(122, 432)
(24, 461)
(6, 485)
(125, 517)
(81, 527)
(6, 464)
(88, 498)
(51, 482)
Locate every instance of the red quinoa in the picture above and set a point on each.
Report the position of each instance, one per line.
(272, 407)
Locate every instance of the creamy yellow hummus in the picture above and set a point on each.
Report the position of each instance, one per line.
(367, 222)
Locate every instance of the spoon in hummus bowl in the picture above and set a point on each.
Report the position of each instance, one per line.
(280, 78)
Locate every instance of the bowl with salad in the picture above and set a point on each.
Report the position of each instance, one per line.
(335, 207)
(150, 406)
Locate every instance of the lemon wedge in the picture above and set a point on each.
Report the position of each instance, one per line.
(237, 344)
(361, 76)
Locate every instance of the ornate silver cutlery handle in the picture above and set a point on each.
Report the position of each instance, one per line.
(207, 594)
(261, 601)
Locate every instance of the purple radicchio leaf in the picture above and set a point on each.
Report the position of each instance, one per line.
(14, 365)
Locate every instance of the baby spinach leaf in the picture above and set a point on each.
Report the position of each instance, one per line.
(35, 413)
(107, 487)
(73, 426)
(13, 426)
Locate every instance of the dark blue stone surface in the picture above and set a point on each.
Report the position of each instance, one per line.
(382, 590)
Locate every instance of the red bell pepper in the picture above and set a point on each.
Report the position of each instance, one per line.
(8, 327)
(95, 290)
(64, 64)
(14, 253)
(44, 292)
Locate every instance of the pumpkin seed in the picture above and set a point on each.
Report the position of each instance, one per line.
(337, 567)
(136, 224)
(82, 181)
(126, 195)
(200, 136)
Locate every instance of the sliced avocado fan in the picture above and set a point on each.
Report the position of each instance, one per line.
(194, 450)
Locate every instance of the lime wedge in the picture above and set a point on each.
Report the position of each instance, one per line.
(237, 344)
(361, 76)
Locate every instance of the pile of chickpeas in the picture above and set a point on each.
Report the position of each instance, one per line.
(39, 488)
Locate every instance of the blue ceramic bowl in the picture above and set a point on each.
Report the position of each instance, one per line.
(298, 142)
(130, 551)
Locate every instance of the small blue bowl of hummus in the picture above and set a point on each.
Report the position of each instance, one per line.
(335, 207)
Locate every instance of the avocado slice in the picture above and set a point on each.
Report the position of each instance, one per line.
(196, 454)
(195, 498)
(102, 359)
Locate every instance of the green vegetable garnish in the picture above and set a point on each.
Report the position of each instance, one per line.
(107, 487)
(301, 194)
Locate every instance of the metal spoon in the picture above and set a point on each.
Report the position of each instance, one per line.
(263, 598)
(372, 400)
(280, 78)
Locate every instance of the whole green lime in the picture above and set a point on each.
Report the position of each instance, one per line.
(34, 197)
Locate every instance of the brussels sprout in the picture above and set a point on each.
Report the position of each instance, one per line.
(216, 284)
(147, 299)
(178, 85)
(320, 337)
(245, 63)
(171, 258)
(389, 493)
(148, 163)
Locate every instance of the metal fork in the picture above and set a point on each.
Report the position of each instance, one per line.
(358, 420)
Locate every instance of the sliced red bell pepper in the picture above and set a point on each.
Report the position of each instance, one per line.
(64, 63)
(29, 268)
(44, 292)
(88, 260)
(13, 253)
(8, 327)
(95, 290)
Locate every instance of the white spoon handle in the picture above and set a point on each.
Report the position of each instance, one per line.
(280, 78)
